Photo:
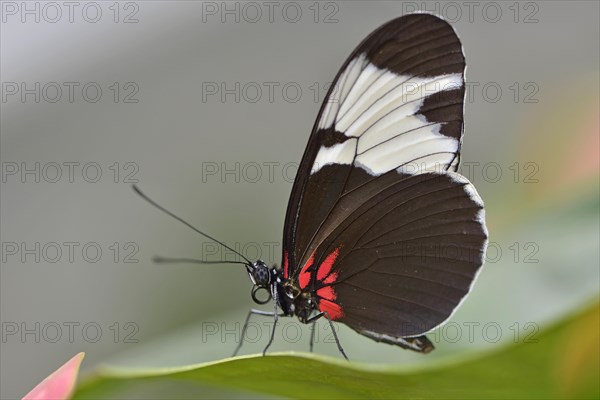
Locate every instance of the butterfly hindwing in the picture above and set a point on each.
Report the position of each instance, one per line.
(406, 258)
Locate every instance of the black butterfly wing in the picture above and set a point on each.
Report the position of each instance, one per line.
(403, 261)
(395, 107)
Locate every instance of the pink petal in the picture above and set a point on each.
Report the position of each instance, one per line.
(60, 384)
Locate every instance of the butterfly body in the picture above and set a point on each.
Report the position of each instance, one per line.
(290, 298)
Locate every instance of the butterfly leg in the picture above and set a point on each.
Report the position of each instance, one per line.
(250, 313)
(275, 317)
(312, 335)
(337, 341)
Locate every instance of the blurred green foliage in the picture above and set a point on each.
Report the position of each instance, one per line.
(563, 363)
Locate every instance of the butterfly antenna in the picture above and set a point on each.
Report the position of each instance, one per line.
(149, 200)
(178, 260)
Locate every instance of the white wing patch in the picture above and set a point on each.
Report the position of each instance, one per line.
(381, 110)
(419, 150)
(339, 93)
(341, 153)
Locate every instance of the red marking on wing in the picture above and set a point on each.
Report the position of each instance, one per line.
(331, 278)
(334, 310)
(327, 293)
(304, 277)
(285, 265)
(325, 267)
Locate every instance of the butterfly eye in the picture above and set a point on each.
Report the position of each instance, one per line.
(261, 275)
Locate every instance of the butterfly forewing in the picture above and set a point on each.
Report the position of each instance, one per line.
(397, 102)
(376, 190)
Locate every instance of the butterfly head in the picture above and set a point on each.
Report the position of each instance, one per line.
(260, 274)
(262, 277)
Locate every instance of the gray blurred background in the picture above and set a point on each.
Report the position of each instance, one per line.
(208, 107)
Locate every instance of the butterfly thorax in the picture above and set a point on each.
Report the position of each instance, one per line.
(304, 306)
(294, 301)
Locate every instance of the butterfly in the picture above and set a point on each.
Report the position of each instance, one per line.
(381, 232)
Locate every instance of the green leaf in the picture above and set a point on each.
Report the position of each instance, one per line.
(563, 362)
